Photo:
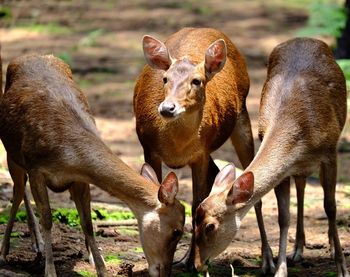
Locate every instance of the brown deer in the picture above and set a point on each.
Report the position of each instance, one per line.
(50, 136)
(302, 113)
(188, 100)
(37, 240)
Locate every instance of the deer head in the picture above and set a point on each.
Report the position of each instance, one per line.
(162, 228)
(217, 220)
(183, 81)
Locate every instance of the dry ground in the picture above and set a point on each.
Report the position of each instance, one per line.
(102, 42)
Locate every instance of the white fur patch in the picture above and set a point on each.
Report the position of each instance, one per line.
(150, 218)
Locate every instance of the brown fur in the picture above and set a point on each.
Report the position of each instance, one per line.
(302, 113)
(214, 112)
(50, 135)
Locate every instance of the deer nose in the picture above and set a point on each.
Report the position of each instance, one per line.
(167, 109)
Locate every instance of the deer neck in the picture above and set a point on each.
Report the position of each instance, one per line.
(273, 162)
(109, 173)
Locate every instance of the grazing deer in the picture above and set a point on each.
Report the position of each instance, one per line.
(50, 136)
(302, 113)
(188, 100)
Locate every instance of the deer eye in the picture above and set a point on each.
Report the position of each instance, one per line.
(196, 82)
(176, 234)
(165, 80)
(210, 227)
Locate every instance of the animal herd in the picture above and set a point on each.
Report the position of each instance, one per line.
(188, 100)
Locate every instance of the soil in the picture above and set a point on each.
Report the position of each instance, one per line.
(102, 42)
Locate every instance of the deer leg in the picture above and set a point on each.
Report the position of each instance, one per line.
(18, 176)
(297, 254)
(80, 193)
(242, 140)
(155, 162)
(268, 265)
(328, 174)
(204, 172)
(33, 225)
(282, 192)
(39, 191)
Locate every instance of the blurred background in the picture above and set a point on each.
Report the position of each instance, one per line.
(101, 41)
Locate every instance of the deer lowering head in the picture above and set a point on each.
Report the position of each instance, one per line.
(217, 220)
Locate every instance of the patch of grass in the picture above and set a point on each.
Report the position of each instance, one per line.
(330, 274)
(113, 259)
(21, 216)
(294, 269)
(188, 208)
(103, 214)
(66, 216)
(90, 39)
(127, 231)
(48, 28)
(138, 250)
(86, 273)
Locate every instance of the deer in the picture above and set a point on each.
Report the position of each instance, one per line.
(51, 139)
(302, 113)
(188, 100)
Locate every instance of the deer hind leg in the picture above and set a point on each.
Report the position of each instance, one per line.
(33, 225)
(242, 140)
(19, 178)
(282, 192)
(297, 254)
(80, 193)
(328, 175)
(39, 191)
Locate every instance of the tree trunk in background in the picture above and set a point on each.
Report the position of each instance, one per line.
(343, 42)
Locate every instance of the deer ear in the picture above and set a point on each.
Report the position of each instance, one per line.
(224, 179)
(241, 190)
(168, 189)
(148, 173)
(215, 58)
(156, 53)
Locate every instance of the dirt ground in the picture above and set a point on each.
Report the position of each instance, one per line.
(102, 42)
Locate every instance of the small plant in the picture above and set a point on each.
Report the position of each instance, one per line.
(66, 216)
(103, 214)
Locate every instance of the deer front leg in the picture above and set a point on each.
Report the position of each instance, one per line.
(328, 174)
(204, 172)
(80, 193)
(282, 192)
(297, 254)
(39, 191)
(155, 162)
